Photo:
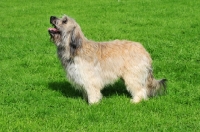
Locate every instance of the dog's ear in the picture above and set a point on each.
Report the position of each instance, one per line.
(75, 41)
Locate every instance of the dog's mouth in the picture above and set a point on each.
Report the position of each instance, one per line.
(53, 30)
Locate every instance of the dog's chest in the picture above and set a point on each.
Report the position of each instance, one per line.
(74, 74)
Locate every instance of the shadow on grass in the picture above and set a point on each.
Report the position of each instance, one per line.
(65, 88)
(117, 88)
(69, 91)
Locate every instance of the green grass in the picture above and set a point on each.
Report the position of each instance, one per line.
(35, 96)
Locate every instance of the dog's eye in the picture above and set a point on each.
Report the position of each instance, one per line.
(64, 21)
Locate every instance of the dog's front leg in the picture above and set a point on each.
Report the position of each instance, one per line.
(93, 95)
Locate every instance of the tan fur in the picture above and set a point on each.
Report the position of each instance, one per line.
(92, 65)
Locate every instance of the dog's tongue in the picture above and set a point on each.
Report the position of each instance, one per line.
(53, 29)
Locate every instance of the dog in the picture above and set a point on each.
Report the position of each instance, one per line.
(91, 65)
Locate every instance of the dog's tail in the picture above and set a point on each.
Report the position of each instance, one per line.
(155, 87)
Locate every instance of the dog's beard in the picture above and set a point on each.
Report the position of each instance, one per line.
(55, 34)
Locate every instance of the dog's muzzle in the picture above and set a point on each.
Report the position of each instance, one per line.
(53, 22)
(53, 19)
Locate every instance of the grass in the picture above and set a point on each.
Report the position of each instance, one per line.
(35, 96)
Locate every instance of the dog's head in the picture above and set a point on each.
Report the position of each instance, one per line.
(61, 25)
(66, 31)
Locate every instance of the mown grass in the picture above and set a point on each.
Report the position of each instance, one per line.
(35, 96)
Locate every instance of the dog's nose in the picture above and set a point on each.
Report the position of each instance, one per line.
(52, 18)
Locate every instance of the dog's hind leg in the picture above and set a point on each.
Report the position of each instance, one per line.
(138, 92)
(136, 87)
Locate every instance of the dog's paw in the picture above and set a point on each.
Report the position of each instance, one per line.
(94, 99)
(136, 100)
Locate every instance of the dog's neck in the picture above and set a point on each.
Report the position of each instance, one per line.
(70, 45)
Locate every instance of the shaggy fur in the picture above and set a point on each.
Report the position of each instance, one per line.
(92, 65)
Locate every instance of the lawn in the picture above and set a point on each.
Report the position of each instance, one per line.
(36, 96)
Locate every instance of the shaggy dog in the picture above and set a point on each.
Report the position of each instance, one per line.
(92, 65)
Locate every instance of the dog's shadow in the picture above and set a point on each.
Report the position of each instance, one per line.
(67, 90)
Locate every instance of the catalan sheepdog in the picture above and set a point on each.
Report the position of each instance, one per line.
(92, 65)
